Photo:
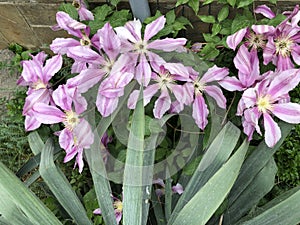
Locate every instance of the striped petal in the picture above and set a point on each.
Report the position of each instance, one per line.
(288, 112)
(272, 131)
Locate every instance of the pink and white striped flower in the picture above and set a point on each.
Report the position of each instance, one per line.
(77, 134)
(83, 12)
(139, 49)
(267, 99)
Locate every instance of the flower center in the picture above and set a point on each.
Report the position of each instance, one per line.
(39, 85)
(199, 87)
(76, 4)
(71, 120)
(264, 104)
(108, 66)
(283, 46)
(256, 41)
(165, 79)
(118, 205)
(141, 46)
(85, 41)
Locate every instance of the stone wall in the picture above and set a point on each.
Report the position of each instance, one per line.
(27, 22)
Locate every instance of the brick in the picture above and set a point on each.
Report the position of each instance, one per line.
(39, 14)
(14, 28)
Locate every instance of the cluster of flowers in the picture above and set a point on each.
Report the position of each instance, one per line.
(267, 94)
(114, 57)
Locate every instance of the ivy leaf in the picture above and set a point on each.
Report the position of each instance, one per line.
(231, 2)
(210, 52)
(244, 3)
(216, 28)
(207, 19)
(194, 4)
(181, 2)
(101, 12)
(223, 14)
(206, 2)
(170, 17)
(114, 2)
(70, 9)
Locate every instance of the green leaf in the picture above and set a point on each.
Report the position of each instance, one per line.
(60, 186)
(273, 1)
(133, 186)
(19, 205)
(194, 4)
(203, 205)
(207, 19)
(211, 38)
(216, 28)
(231, 2)
(181, 2)
(119, 18)
(257, 189)
(101, 12)
(223, 14)
(210, 52)
(244, 3)
(36, 144)
(206, 2)
(70, 9)
(170, 17)
(114, 2)
(286, 211)
(215, 156)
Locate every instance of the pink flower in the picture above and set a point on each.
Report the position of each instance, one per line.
(161, 191)
(36, 76)
(165, 78)
(267, 99)
(139, 49)
(248, 65)
(201, 85)
(77, 133)
(118, 206)
(83, 12)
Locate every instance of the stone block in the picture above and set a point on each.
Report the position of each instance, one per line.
(14, 27)
(39, 13)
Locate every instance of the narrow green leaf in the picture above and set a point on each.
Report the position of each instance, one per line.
(207, 19)
(133, 185)
(255, 162)
(207, 200)
(223, 14)
(258, 188)
(283, 213)
(18, 205)
(96, 164)
(60, 186)
(215, 156)
(36, 144)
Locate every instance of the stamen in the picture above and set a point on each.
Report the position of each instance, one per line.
(39, 85)
(263, 104)
(141, 46)
(283, 46)
(71, 120)
(76, 4)
(199, 87)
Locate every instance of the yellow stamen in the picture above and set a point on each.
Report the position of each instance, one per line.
(199, 87)
(118, 205)
(283, 46)
(71, 120)
(264, 104)
(39, 85)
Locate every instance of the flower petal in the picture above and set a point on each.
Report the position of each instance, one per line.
(167, 44)
(162, 104)
(86, 55)
(154, 27)
(143, 71)
(288, 112)
(51, 67)
(47, 114)
(214, 74)
(216, 93)
(200, 112)
(236, 38)
(265, 11)
(106, 106)
(272, 131)
(61, 45)
(231, 84)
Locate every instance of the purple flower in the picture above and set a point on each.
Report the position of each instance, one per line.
(265, 11)
(139, 49)
(248, 65)
(77, 133)
(165, 78)
(267, 98)
(83, 12)
(161, 191)
(36, 76)
(201, 85)
(118, 206)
